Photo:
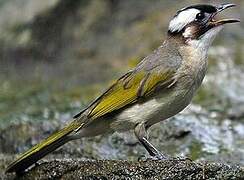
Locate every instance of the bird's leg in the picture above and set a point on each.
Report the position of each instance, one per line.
(141, 134)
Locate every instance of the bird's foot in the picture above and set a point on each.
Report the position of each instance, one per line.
(182, 159)
(161, 156)
(158, 156)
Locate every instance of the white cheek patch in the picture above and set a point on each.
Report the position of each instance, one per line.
(182, 19)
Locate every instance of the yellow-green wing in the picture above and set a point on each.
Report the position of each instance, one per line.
(127, 90)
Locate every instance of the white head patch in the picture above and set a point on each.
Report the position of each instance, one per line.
(182, 19)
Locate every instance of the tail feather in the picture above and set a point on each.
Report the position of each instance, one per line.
(43, 148)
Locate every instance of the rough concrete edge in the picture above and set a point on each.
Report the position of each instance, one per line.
(117, 169)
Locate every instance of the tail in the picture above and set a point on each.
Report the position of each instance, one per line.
(43, 148)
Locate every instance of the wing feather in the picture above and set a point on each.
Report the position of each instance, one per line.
(128, 90)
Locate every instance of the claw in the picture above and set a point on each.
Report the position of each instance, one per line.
(182, 159)
(161, 156)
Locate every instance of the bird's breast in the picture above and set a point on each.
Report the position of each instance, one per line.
(194, 65)
(164, 105)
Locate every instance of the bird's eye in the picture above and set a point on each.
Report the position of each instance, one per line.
(200, 16)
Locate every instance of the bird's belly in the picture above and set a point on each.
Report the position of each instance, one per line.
(153, 110)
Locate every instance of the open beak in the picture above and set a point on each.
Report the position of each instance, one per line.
(220, 8)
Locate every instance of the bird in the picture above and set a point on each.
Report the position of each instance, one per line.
(160, 86)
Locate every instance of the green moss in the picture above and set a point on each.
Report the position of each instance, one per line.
(212, 63)
(39, 100)
(195, 150)
(239, 55)
(204, 96)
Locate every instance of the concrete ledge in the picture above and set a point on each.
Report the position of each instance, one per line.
(114, 169)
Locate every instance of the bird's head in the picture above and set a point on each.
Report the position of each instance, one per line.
(197, 24)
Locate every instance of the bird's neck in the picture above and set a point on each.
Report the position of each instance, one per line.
(194, 61)
(183, 45)
(193, 55)
(175, 40)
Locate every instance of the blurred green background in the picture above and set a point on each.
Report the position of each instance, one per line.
(57, 55)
